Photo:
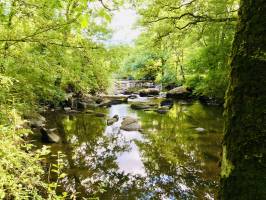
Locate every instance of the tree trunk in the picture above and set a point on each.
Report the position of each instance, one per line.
(243, 174)
(181, 66)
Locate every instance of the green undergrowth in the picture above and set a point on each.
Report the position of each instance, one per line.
(21, 173)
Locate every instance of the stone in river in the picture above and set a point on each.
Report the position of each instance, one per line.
(130, 124)
(179, 93)
(112, 120)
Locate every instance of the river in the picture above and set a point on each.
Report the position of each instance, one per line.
(175, 156)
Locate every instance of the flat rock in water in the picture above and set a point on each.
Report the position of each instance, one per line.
(200, 129)
(143, 106)
(130, 124)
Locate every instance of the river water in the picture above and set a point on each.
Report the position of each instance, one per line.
(175, 156)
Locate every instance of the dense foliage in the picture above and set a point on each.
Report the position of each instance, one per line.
(185, 42)
(47, 48)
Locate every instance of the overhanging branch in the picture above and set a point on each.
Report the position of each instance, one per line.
(194, 18)
(41, 31)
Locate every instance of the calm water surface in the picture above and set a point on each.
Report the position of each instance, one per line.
(169, 159)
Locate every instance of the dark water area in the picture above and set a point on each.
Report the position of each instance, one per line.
(175, 156)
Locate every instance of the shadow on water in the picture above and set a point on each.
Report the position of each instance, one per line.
(170, 159)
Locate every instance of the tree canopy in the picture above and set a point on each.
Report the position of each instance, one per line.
(46, 47)
(194, 38)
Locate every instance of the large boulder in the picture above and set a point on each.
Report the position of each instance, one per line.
(50, 135)
(149, 92)
(179, 93)
(130, 124)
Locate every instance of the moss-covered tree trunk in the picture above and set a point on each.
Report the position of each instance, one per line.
(243, 173)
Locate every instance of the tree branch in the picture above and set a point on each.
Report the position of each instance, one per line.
(44, 30)
(197, 18)
(105, 6)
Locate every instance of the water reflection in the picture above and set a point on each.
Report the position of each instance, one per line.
(129, 161)
(170, 159)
